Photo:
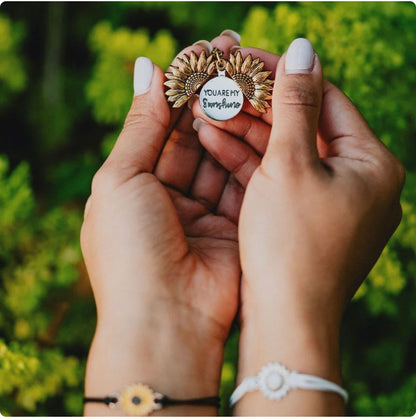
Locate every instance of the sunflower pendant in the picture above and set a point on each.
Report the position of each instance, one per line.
(221, 97)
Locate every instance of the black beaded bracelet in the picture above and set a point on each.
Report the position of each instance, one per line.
(141, 400)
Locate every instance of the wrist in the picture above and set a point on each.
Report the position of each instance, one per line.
(307, 346)
(163, 355)
(279, 328)
(309, 349)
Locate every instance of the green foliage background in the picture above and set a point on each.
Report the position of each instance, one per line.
(65, 87)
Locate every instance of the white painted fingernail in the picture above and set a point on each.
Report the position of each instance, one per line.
(143, 74)
(204, 44)
(299, 57)
(233, 34)
(198, 123)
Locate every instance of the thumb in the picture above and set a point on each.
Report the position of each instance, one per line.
(297, 101)
(141, 140)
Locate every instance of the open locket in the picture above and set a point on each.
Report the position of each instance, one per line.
(220, 97)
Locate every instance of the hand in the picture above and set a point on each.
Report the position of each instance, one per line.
(164, 267)
(317, 212)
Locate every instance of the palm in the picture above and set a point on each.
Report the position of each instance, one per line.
(210, 266)
(207, 202)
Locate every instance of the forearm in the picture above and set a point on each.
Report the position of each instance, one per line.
(272, 332)
(167, 361)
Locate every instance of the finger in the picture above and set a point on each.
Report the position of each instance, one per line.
(297, 100)
(87, 207)
(182, 152)
(267, 116)
(233, 154)
(209, 182)
(231, 200)
(196, 47)
(270, 60)
(142, 137)
(226, 40)
(346, 134)
(341, 125)
(180, 156)
(251, 129)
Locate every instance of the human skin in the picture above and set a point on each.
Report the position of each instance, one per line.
(319, 207)
(160, 244)
(163, 266)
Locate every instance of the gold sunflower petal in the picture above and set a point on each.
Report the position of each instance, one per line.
(246, 64)
(257, 105)
(229, 68)
(182, 100)
(255, 62)
(181, 60)
(263, 86)
(267, 95)
(174, 98)
(176, 79)
(172, 92)
(184, 67)
(238, 62)
(179, 74)
(185, 58)
(232, 60)
(174, 84)
(261, 77)
(211, 68)
(262, 94)
(202, 62)
(209, 59)
(194, 61)
(170, 75)
(257, 68)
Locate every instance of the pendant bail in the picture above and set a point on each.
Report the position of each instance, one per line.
(221, 63)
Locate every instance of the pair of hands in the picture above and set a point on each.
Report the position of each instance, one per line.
(280, 215)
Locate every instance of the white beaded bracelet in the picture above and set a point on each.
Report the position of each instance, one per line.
(275, 381)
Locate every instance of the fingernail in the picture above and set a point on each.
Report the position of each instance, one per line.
(233, 34)
(234, 48)
(198, 123)
(299, 57)
(204, 44)
(143, 74)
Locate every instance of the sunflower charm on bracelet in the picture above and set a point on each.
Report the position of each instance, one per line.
(221, 97)
(139, 400)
